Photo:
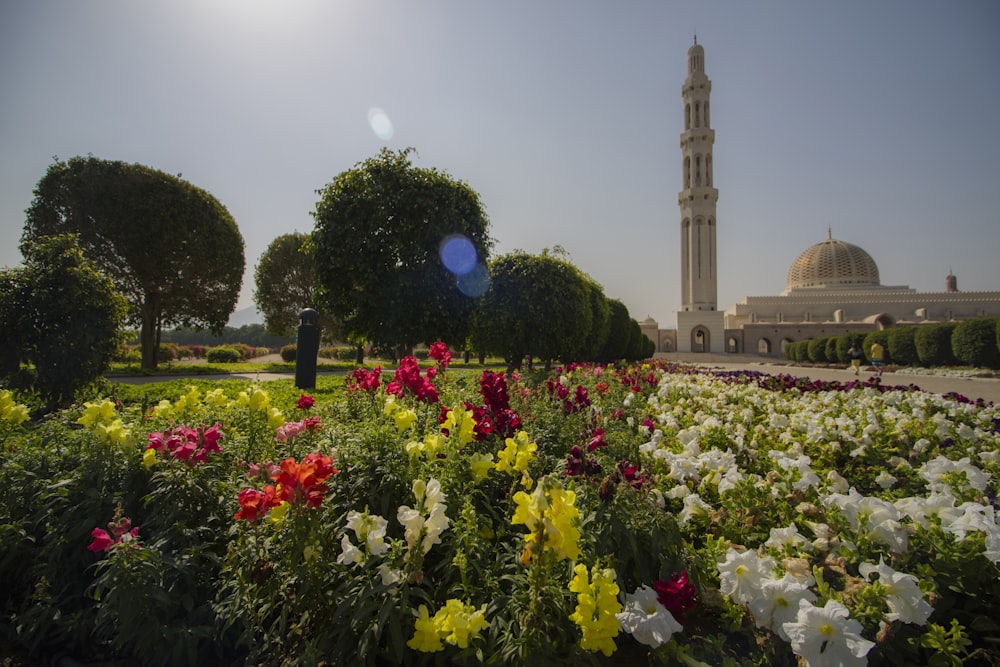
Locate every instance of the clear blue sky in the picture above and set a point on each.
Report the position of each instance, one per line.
(879, 119)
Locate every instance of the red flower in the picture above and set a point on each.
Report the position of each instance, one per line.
(254, 504)
(439, 352)
(305, 402)
(408, 378)
(304, 482)
(597, 440)
(365, 380)
(676, 594)
(102, 540)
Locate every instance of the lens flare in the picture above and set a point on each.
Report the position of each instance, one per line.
(475, 282)
(458, 254)
(380, 124)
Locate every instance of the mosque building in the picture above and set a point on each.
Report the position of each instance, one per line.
(832, 288)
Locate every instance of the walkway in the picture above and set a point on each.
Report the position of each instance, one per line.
(986, 388)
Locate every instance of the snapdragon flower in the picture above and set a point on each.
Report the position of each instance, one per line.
(597, 608)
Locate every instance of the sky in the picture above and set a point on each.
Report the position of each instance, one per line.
(877, 120)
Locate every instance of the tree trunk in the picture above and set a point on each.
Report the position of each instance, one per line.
(149, 338)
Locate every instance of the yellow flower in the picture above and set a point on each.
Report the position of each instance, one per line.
(275, 418)
(12, 412)
(254, 398)
(390, 405)
(517, 453)
(460, 622)
(425, 634)
(163, 409)
(404, 419)
(149, 458)
(597, 604)
(278, 512)
(481, 464)
(216, 399)
(461, 422)
(97, 413)
(113, 432)
(552, 519)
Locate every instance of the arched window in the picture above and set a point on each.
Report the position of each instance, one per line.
(687, 116)
(697, 114)
(697, 170)
(734, 345)
(707, 123)
(708, 170)
(687, 172)
(763, 346)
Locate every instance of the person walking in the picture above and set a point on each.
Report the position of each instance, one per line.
(855, 355)
(878, 357)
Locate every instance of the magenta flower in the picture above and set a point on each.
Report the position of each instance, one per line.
(439, 352)
(305, 402)
(676, 594)
(102, 540)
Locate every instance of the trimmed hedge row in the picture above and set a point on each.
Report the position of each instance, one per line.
(974, 342)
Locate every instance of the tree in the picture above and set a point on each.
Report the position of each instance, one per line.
(619, 332)
(171, 249)
(377, 252)
(284, 284)
(537, 305)
(61, 315)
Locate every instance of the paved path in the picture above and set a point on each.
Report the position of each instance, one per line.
(985, 388)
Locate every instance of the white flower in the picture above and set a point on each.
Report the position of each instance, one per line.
(742, 574)
(885, 480)
(826, 636)
(350, 554)
(778, 603)
(370, 530)
(389, 576)
(693, 506)
(786, 537)
(906, 602)
(648, 621)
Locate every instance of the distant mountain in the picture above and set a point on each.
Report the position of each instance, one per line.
(245, 316)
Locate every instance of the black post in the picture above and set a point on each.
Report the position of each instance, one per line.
(307, 349)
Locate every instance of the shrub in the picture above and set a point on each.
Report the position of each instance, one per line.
(244, 350)
(831, 349)
(901, 346)
(933, 343)
(816, 350)
(223, 355)
(844, 343)
(60, 314)
(882, 337)
(288, 353)
(166, 353)
(973, 342)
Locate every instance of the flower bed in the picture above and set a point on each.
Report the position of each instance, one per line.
(617, 515)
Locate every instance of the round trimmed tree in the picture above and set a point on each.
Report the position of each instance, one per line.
(172, 250)
(377, 252)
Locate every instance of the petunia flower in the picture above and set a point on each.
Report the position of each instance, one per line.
(648, 621)
(906, 601)
(825, 636)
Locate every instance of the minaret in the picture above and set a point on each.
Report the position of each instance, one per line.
(698, 198)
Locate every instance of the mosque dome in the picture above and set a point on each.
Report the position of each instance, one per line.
(833, 264)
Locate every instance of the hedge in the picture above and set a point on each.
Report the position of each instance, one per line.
(973, 342)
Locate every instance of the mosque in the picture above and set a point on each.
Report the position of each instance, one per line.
(832, 288)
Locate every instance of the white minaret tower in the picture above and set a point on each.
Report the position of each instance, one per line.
(698, 198)
(699, 324)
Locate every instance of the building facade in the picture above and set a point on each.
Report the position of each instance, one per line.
(832, 288)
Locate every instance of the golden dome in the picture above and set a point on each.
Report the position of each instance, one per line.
(833, 264)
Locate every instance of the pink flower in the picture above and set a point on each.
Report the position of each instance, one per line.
(102, 540)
